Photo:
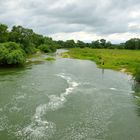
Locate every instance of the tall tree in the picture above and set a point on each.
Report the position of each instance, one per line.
(70, 44)
(3, 33)
(23, 36)
(133, 44)
(103, 43)
(80, 44)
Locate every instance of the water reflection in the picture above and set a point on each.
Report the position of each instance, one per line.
(7, 70)
(103, 73)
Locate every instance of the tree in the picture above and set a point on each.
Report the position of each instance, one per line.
(70, 44)
(23, 36)
(133, 44)
(3, 33)
(103, 43)
(108, 45)
(97, 44)
(61, 43)
(46, 48)
(80, 44)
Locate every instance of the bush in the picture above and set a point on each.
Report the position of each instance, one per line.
(29, 49)
(46, 48)
(11, 54)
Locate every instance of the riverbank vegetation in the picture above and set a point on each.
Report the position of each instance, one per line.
(50, 59)
(11, 53)
(124, 60)
(19, 42)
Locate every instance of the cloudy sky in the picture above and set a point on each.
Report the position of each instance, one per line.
(115, 20)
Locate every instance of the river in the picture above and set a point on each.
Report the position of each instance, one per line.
(67, 99)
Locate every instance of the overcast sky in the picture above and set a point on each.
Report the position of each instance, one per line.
(115, 20)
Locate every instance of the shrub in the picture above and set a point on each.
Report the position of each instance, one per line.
(46, 48)
(11, 54)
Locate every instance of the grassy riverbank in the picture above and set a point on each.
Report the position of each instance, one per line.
(124, 60)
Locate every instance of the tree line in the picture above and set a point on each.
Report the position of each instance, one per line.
(132, 44)
(17, 43)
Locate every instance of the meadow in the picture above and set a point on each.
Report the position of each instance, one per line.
(117, 59)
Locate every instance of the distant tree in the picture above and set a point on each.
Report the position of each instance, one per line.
(46, 48)
(37, 39)
(108, 45)
(61, 43)
(51, 43)
(97, 44)
(103, 43)
(88, 45)
(70, 44)
(133, 44)
(92, 45)
(80, 44)
(121, 46)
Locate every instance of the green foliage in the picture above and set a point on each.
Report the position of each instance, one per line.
(95, 44)
(48, 41)
(50, 59)
(133, 44)
(46, 48)
(25, 37)
(70, 44)
(113, 59)
(11, 54)
(3, 33)
(80, 44)
(30, 42)
(103, 42)
(61, 44)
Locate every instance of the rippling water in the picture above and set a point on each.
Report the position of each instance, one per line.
(67, 99)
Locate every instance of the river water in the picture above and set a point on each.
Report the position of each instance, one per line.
(67, 99)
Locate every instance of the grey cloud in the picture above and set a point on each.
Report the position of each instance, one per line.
(103, 17)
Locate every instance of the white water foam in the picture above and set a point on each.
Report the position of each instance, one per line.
(11, 107)
(58, 101)
(14, 104)
(121, 90)
(41, 129)
(113, 89)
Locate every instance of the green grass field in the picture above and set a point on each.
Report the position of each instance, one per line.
(115, 59)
